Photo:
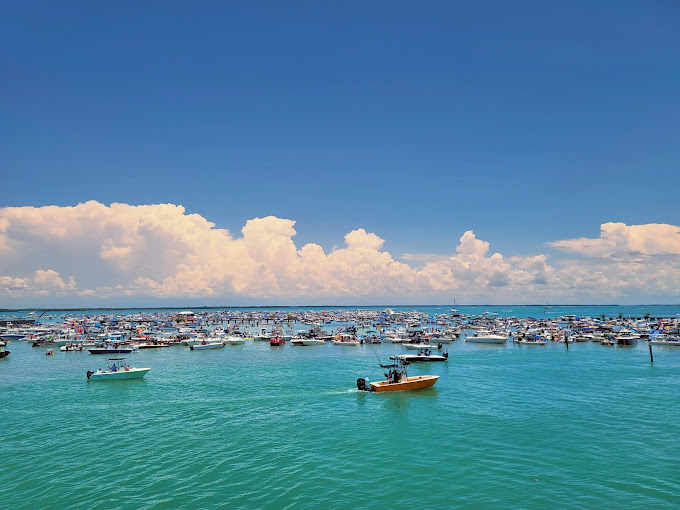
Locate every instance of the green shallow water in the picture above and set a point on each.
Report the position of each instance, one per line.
(261, 427)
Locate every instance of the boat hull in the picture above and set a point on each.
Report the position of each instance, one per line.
(413, 383)
(235, 341)
(12, 337)
(486, 339)
(97, 350)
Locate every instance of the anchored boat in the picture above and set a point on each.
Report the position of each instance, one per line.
(109, 348)
(277, 341)
(423, 355)
(345, 339)
(207, 345)
(307, 341)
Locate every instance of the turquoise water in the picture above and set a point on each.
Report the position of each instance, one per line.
(536, 311)
(259, 427)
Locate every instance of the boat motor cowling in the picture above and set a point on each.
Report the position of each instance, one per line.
(89, 373)
(362, 386)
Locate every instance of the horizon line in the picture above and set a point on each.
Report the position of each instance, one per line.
(206, 307)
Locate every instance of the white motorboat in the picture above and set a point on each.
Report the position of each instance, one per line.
(111, 349)
(664, 340)
(263, 336)
(205, 344)
(529, 341)
(307, 341)
(13, 334)
(69, 347)
(626, 339)
(117, 369)
(413, 346)
(395, 336)
(423, 354)
(370, 337)
(442, 339)
(234, 340)
(347, 340)
(583, 337)
(487, 338)
(394, 339)
(152, 345)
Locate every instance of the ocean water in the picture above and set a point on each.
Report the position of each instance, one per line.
(536, 311)
(259, 427)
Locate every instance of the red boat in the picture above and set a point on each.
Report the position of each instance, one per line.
(277, 341)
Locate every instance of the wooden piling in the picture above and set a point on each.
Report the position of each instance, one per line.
(651, 356)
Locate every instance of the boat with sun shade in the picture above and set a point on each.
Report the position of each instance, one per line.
(346, 340)
(397, 379)
(424, 355)
(117, 368)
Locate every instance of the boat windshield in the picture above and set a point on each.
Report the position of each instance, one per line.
(117, 364)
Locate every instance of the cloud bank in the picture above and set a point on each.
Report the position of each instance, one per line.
(92, 252)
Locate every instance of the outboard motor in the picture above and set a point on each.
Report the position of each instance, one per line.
(446, 354)
(89, 373)
(362, 386)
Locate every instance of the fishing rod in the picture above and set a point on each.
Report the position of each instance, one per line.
(375, 353)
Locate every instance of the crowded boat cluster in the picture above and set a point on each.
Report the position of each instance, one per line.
(125, 333)
(424, 336)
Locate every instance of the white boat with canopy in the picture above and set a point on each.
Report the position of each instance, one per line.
(117, 369)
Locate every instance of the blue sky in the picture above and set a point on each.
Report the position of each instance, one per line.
(526, 122)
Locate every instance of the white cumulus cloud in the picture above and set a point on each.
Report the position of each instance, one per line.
(162, 251)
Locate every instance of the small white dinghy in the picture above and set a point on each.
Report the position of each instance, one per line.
(117, 369)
